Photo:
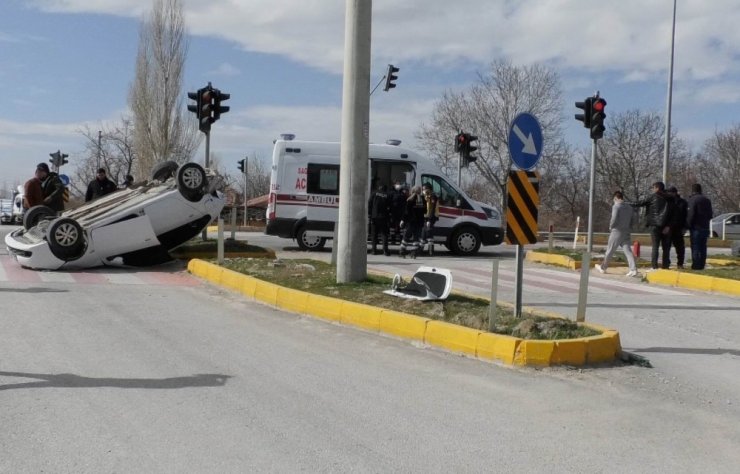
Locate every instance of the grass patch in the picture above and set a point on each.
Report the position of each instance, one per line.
(211, 245)
(320, 278)
(730, 273)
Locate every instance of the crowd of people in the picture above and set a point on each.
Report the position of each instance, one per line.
(668, 216)
(410, 213)
(46, 188)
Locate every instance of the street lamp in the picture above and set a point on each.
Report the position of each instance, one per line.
(667, 146)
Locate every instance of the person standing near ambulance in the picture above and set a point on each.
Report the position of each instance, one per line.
(379, 208)
(431, 216)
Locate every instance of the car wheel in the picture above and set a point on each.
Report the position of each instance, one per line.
(465, 241)
(36, 214)
(66, 239)
(164, 171)
(309, 242)
(191, 181)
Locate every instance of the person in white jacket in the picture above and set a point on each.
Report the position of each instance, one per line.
(620, 226)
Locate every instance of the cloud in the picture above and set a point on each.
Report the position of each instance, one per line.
(226, 69)
(630, 37)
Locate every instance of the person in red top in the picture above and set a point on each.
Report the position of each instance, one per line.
(32, 192)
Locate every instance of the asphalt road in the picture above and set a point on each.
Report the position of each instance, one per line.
(129, 371)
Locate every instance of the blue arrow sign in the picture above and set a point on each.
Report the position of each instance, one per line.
(525, 141)
(65, 179)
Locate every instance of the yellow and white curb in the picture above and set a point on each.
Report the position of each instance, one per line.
(694, 281)
(458, 339)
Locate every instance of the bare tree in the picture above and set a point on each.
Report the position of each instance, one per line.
(116, 154)
(164, 130)
(719, 169)
(487, 110)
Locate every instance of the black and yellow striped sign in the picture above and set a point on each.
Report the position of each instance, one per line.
(523, 190)
(65, 196)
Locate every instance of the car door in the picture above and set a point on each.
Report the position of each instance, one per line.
(732, 227)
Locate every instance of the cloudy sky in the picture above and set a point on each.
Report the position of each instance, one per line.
(67, 64)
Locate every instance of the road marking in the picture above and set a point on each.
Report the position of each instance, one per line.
(11, 271)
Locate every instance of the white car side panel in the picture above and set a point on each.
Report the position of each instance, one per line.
(122, 237)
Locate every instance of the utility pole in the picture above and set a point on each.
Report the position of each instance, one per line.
(667, 145)
(352, 235)
(246, 179)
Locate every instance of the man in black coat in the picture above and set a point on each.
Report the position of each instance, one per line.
(52, 188)
(100, 186)
(379, 208)
(677, 223)
(657, 214)
(698, 217)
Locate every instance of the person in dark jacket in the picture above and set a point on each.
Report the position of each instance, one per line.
(398, 207)
(413, 223)
(698, 217)
(677, 223)
(379, 208)
(32, 192)
(100, 186)
(52, 188)
(657, 212)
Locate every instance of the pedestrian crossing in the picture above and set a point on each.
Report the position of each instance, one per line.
(173, 274)
(477, 279)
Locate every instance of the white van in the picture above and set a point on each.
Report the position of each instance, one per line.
(304, 195)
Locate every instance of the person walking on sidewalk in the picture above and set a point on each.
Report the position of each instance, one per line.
(657, 213)
(698, 216)
(620, 226)
(677, 223)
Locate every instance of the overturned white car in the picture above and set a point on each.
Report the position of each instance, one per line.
(136, 226)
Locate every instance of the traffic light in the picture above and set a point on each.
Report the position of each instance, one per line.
(203, 107)
(585, 117)
(56, 158)
(241, 163)
(469, 149)
(390, 76)
(597, 118)
(219, 109)
(459, 142)
(63, 159)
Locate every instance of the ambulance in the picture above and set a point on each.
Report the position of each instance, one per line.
(304, 194)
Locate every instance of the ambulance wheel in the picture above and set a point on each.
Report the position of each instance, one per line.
(66, 239)
(465, 241)
(36, 214)
(191, 181)
(309, 242)
(164, 171)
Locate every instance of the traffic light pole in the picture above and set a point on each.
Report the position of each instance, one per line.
(459, 169)
(591, 198)
(246, 162)
(204, 235)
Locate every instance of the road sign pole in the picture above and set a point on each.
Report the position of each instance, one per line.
(246, 178)
(583, 287)
(519, 282)
(204, 235)
(589, 245)
(494, 295)
(459, 169)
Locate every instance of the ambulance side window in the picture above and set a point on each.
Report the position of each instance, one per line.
(448, 196)
(322, 179)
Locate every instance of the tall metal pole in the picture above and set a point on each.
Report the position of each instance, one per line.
(592, 181)
(459, 169)
(667, 146)
(352, 234)
(204, 234)
(246, 180)
(100, 137)
(519, 281)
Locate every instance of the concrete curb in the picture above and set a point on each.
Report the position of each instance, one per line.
(189, 255)
(721, 262)
(605, 347)
(694, 281)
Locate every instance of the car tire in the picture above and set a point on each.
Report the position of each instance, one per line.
(192, 181)
(164, 171)
(308, 242)
(465, 241)
(36, 214)
(66, 239)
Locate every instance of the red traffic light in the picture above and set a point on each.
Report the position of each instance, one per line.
(598, 105)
